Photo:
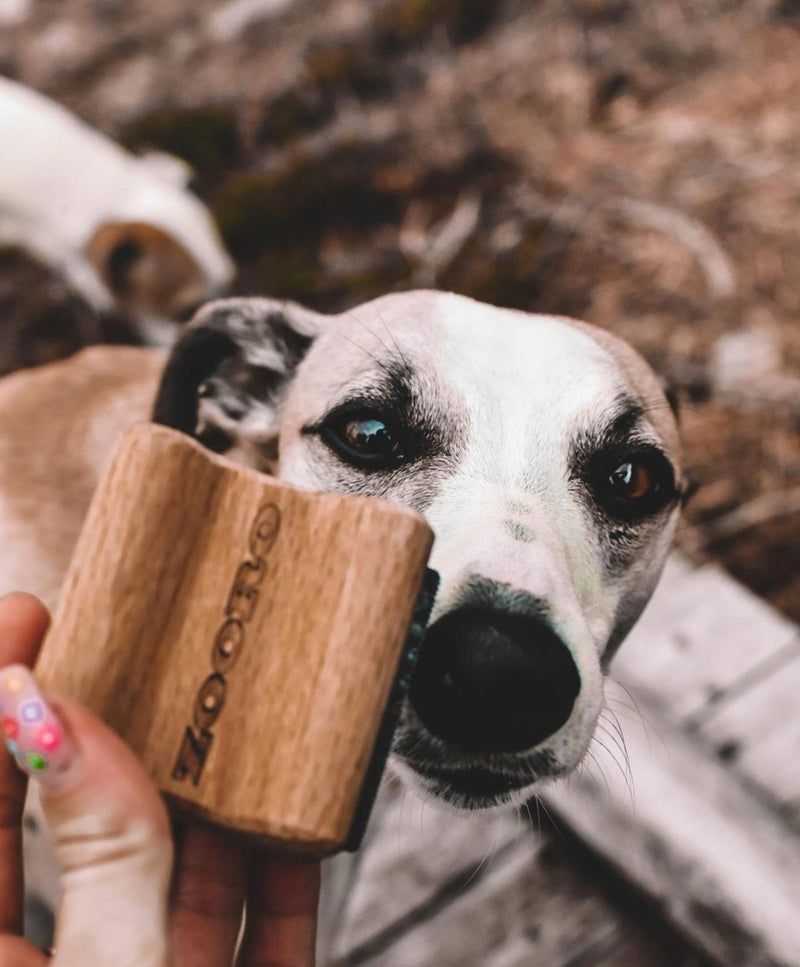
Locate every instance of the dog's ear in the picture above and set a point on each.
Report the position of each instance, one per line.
(146, 268)
(167, 168)
(229, 371)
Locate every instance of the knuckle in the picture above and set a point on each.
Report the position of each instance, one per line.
(207, 896)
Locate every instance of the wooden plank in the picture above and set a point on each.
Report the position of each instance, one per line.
(760, 730)
(527, 905)
(412, 849)
(720, 862)
(701, 635)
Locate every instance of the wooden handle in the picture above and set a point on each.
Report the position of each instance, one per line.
(241, 634)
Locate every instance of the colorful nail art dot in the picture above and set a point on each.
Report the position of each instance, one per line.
(37, 762)
(12, 747)
(31, 711)
(48, 737)
(10, 727)
(14, 684)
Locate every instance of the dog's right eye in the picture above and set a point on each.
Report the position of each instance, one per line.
(363, 437)
(634, 484)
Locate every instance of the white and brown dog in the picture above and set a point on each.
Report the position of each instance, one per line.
(124, 231)
(542, 451)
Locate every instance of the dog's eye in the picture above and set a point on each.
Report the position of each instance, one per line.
(369, 436)
(631, 486)
(365, 439)
(631, 480)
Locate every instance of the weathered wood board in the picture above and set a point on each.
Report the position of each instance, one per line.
(703, 634)
(413, 850)
(742, 655)
(452, 890)
(759, 730)
(714, 854)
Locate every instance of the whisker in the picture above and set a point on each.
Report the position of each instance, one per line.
(649, 728)
(616, 762)
(610, 753)
(550, 817)
(363, 349)
(393, 338)
(527, 809)
(487, 857)
(538, 816)
(600, 772)
(618, 728)
(622, 745)
(366, 329)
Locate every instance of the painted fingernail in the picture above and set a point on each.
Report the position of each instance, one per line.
(32, 732)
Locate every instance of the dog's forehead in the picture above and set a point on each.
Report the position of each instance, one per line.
(525, 358)
(493, 357)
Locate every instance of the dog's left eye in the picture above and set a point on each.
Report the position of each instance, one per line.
(630, 486)
(366, 439)
(631, 480)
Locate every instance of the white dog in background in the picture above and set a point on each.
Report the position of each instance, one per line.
(123, 230)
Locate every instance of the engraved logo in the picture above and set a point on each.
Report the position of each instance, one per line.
(227, 646)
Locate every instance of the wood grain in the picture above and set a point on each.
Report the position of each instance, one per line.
(241, 634)
(701, 635)
(760, 729)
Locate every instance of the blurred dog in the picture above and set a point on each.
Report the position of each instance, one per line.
(124, 231)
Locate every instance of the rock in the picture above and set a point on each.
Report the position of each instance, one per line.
(13, 12)
(744, 358)
(231, 20)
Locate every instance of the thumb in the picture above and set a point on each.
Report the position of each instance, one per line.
(108, 824)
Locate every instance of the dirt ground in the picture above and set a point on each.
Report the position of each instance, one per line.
(632, 162)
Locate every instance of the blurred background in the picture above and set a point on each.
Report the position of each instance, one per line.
(630, 162)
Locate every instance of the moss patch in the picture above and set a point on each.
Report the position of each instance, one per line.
(513, 279)
(205, 137)
(293, 113)
(406, 22)
(354, 66)
(303, 199)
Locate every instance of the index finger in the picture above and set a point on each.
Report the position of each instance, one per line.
(281, 917)
(23, 623)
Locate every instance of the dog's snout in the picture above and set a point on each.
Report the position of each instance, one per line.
(489, 681)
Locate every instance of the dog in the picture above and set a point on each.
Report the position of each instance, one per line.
(123, 231)
(543, 452)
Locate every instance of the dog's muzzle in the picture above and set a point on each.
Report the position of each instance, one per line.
(489, 681)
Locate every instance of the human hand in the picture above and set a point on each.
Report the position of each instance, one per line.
(123, 904)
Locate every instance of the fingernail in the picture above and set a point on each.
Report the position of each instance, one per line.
(31, 729)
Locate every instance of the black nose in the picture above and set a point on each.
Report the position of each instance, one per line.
(493, 682)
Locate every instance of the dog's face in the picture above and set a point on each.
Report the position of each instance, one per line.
(543, 453)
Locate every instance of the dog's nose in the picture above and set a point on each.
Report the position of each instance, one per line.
(493, 682)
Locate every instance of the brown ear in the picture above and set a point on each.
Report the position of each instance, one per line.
(146, 268)
(229, 371)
